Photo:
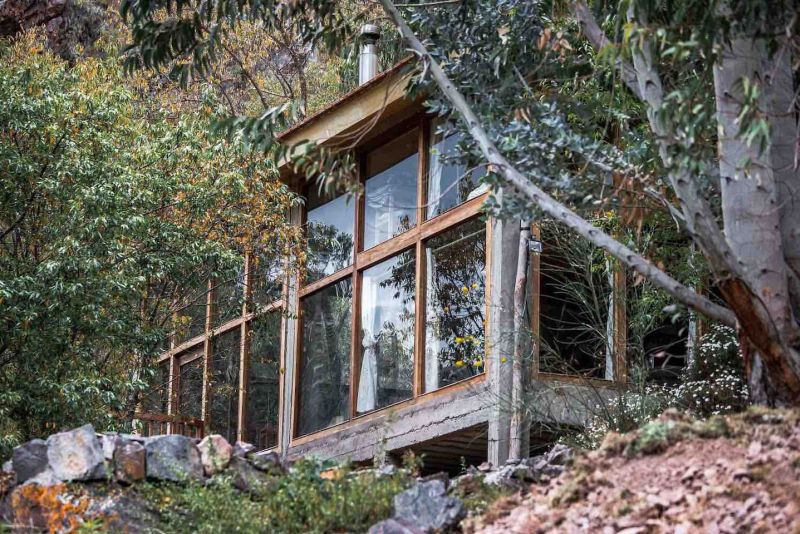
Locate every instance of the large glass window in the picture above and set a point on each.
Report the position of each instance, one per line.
(190, 390)
(449, 184)
(263, 379)
(325, 358)
(387, 333)
(390, 191)
(224, 385)
(228, 299)
(456, 304)
(192, 318)
(329, 229)
(575, 305)
(157, 395)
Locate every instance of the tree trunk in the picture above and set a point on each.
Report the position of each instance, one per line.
(759, 292)
(520, 427)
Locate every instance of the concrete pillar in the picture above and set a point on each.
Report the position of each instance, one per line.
(502, 275)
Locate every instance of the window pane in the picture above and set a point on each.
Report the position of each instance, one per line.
(192, 318)
(449, 184)
(456, 304)
(157, 394)
(224, 385)
(390, 191)
(190, 395)
(325, 359)
(576, 278)
(387, 333)
(261, 426)
(329, 228)
(228, 299)
(267, 277)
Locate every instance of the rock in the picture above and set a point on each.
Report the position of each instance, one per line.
(129, 462)
(215, 453)
(76, 455)
(427, 508)
(45, 478)
(245, 476)
(387, 470)
(29, 459)
(510, 476)
(108, 442)
(172, 457)
(8, 466)
(242, 448)
(394, 526)
(269, 462)
(560, 454)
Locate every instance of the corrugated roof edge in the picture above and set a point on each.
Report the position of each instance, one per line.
(335, 104)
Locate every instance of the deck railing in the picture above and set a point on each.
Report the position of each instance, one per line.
(154, 424)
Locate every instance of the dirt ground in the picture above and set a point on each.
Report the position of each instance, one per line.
(730, 474)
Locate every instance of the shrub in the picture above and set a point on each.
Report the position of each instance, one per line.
(314, 497)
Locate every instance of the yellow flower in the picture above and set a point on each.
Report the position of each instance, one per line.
(474, 285)
(465, 290)
(478, 363)
(459, 340)
(503, 359)
(446, 309)
(459, 363)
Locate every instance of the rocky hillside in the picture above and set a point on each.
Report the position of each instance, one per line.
(728, 474)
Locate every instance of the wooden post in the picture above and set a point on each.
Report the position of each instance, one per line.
(244, 352)
(206, 402)
(290, 344)
(519, 428)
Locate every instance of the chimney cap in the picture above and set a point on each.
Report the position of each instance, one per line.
(370, 33)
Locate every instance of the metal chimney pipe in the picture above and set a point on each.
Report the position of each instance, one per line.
(368, 57)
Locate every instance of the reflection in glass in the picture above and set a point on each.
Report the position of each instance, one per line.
(456, 304)
(192, 318)
(449, 184)
(325, 358)
(190, 392)
(224, 385)
(157, 394)
(261, 426)
(390, 191)
(387, 333)
(576, 281)
(329, 229)
(228, 299)
(266, 279)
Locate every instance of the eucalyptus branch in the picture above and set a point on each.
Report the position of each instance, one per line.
(599, 41)
(545, 202)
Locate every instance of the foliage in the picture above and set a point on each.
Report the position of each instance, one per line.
(712, 384)
(313, 497)
(111, 217)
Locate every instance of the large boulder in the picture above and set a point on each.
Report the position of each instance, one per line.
(76, 455)
(394, 526)
(29, 459)
(242, 448)
(269, 462)
(427, 507)
(215, 453)
(245, 476)
(174, 458)
(129, 462)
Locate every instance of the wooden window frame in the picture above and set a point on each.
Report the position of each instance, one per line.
(176, 355)
(412, 239)
(619, 325)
